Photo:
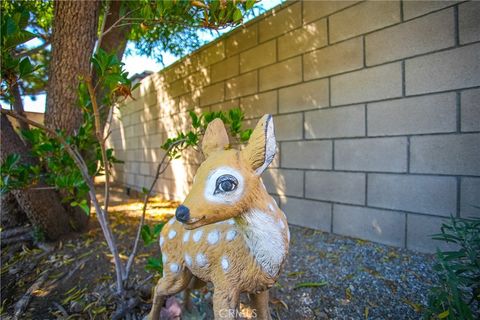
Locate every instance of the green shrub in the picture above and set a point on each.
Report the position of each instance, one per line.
(457, 293)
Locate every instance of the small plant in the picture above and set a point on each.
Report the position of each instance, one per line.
(457, 294)
(233, 119)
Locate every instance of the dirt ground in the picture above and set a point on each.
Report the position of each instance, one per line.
(326, 276)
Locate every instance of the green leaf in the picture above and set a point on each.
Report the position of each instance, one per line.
(146, 234)
(25, 67)
(237, 15)
(444, 314)
(85, 207)
(154, 264)
(310, 284)
(145, 190)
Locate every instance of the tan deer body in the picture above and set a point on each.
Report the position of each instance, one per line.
(232, 233)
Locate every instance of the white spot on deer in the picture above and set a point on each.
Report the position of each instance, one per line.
(225, 264)
(231, 221)
(172, 220)
(201, 260)
(213, 237)
(288, 235)
(188, 260)
(186, 236)
(271, 207)
(174, 267)
(172, 234)
(164, 258)
(197, 235)
(280, 222)
(231, 234)
(265, 240)
(162, 241)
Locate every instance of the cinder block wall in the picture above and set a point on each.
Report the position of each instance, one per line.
(376, 107)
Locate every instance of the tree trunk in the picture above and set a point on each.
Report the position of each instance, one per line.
(12, 215)
(115, 41)
(73, 39)
(43, 207)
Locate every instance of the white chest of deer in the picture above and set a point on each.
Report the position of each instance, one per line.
(229, 230)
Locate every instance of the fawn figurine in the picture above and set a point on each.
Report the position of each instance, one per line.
(229, 230)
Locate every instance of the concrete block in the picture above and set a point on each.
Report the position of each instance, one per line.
(212, 94)
(414, 193)
(178, 88)
(306, 38)
(313, 10)
(309, 95)
(345, 187)
(225, 69)
(241, 40)
(470, 197)
(307, 154)
(425, 114)
(470, 110)
(433, 32)
(447, 70)
(225, 106)
(307, 213)
(259, 104)
(370, 84)
(387, 227)
(284, 182)
(280, 21)
(456, 154)
(214, 52)
(262, 55)
(281, 74)
(362, 18)
(335, 122)
(288, 127)
(419, 233)
(414, 8)
(373, 154)
(145, 168)
(469, 21)
(334, 59)
(242, 85)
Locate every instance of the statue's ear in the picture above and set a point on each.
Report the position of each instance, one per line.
(215, 138)
(261, 147)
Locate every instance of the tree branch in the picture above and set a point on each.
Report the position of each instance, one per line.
(160, 170)
(81, 165)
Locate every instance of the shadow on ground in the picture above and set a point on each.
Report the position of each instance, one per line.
(326, 276)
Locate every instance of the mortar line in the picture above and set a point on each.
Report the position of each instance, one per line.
(366, 189)
(331, 217)
(458, 195)
(458, 105)
(406, 231)
(456, 26)
(408, 154)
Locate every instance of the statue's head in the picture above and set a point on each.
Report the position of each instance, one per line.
(228, 182)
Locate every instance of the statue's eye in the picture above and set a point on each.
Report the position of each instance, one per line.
(226, 183)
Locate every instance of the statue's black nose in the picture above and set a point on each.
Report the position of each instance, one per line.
(182, 213)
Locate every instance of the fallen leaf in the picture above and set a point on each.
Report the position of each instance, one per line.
(310, 284)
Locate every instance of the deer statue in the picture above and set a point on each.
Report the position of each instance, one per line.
(229, 231)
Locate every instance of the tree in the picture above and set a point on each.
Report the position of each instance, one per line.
(71, 29)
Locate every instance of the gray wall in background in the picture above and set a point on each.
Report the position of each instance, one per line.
(376, 107)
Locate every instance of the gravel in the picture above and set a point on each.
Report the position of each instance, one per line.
(333, 277)
(355, 279)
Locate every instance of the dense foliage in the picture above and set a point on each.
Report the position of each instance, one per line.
(457, 293)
